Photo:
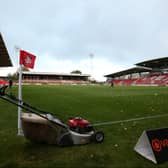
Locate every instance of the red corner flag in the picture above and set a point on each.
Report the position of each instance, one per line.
(27, 59)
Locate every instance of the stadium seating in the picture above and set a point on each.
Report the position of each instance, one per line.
(3, 82)
(152, 79)
(44, 81)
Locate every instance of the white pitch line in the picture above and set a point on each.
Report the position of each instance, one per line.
(129, 120)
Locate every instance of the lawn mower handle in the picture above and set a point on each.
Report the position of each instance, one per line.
(13, 100)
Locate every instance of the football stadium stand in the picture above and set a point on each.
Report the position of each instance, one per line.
(54, 78)
(5, 60)
(148, 73)
(4, 56)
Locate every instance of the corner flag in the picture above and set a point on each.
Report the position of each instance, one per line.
(27, 59)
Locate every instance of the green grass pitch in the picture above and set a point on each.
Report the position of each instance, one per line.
(95, 103)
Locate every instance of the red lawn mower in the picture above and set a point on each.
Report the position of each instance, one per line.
(43, 127)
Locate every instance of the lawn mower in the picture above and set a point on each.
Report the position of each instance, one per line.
(44, 127)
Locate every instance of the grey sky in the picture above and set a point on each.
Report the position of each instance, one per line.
(63, 33)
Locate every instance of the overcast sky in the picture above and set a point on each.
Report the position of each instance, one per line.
(64, 33)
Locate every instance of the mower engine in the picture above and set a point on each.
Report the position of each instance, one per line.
(80, 125)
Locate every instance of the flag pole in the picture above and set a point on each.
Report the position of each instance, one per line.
(19, 97)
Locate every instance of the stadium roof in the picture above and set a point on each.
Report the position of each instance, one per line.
(53, 73)
(128, 71)
(5, 60)
(160, 63)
